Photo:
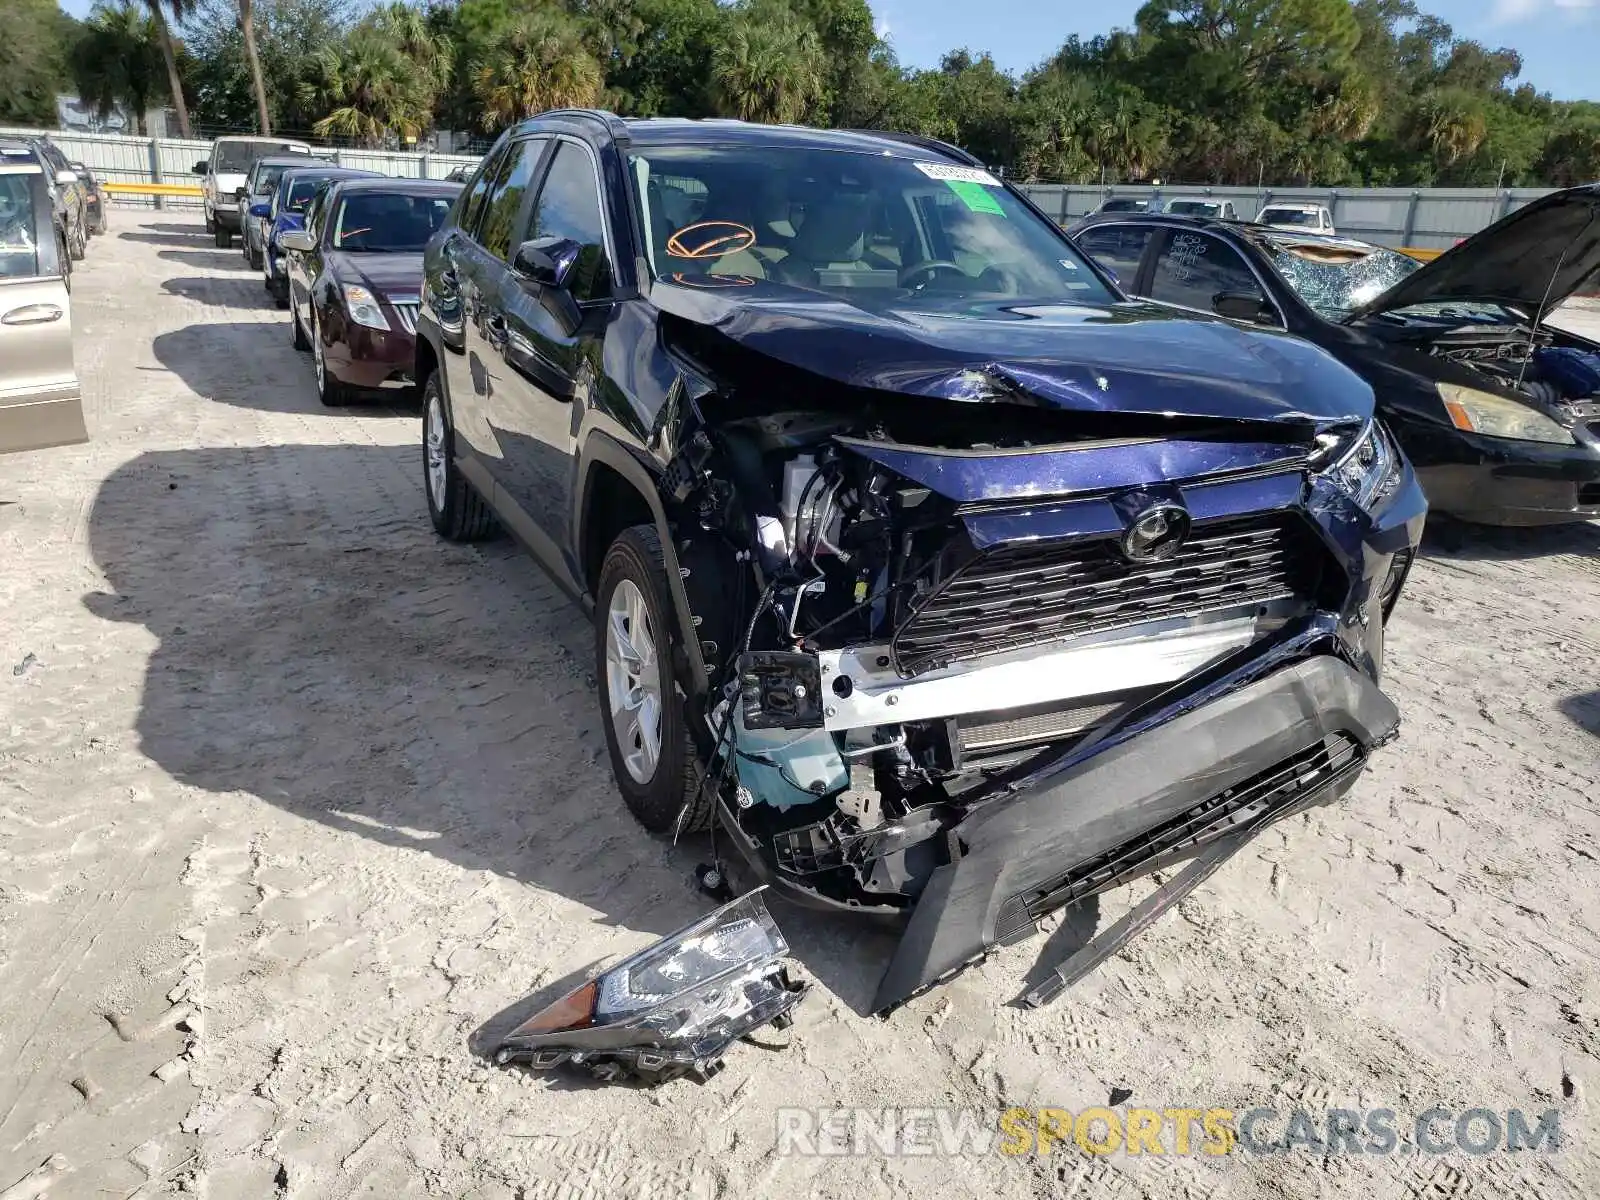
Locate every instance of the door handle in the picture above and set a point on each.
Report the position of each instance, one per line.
(32, 314)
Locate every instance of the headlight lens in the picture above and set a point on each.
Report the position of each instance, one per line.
(1367, 467)
(363, 306)
(683, 999)
(1496, 416)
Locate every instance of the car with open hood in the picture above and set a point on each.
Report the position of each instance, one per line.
(284, 210)
(1484, 362)
(355, 280)
(951, 584)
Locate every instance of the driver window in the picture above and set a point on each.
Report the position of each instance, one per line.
(1193, 268)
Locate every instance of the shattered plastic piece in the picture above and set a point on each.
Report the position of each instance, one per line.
(674, 1008)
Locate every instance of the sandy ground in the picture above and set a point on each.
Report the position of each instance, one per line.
(298, 805)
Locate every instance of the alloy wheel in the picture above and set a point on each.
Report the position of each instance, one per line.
(434, 447)
(633, 681)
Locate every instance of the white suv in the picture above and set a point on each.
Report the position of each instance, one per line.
(225, 172)
(1301, 218)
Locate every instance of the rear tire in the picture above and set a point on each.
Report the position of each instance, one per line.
(661, 788)
(458, 513)
(222, 237)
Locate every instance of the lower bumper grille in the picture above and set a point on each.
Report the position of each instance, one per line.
(1263, 796)
(1027, 595)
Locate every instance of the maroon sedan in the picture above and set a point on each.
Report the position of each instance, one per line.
(355, 280)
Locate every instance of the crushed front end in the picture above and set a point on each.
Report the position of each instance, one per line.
(970, 663)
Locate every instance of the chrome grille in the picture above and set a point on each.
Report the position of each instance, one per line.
(1033, 594)
(408, 316)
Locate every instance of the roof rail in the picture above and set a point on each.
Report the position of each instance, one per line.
(613, 124)
(927, 143)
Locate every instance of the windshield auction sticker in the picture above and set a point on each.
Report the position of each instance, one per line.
(954, 174)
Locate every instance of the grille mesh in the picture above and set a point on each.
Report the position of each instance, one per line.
(1029, 595)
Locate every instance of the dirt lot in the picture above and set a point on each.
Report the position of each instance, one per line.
(299, 804)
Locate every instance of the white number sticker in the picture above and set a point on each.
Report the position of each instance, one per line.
(953, 174)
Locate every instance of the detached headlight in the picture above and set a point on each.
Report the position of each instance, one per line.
(1496, 416)
(672, 1009)
(1366, 467)
(363, 306)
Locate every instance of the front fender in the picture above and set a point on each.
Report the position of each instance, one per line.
(602, 448)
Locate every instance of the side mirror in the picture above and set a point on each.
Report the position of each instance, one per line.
(295, 239)
(65, 176)
(547, 262)
(261, 209)
(1244, 306)
(202, 167)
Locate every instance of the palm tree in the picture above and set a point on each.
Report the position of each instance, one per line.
(538, 63)
(369, 87)
(768, 67)
(117, 60)
(248, 28)
(158, 13)
(427, 47)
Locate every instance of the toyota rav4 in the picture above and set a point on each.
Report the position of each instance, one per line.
(954, 585)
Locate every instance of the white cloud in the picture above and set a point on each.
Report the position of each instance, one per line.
(1506, 12)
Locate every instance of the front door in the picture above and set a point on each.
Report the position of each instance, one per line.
(40, 401)
(550, 353)
(473, 259)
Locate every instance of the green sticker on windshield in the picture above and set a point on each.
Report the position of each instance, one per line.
(975, 196)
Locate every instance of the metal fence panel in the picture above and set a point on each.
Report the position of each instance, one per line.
(1423, 217)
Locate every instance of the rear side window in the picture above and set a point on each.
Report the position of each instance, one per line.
(506, 195)
(1193, 269)
(1119, 247)
(569, 207)
(19, 253)
(477, 191)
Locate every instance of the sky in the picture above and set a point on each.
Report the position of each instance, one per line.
(1557, 39)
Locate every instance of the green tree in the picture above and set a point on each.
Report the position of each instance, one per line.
(538, 63)
(258, 83)
(180, 10)
(35, 37)
(768, 65)
(369, 88)
(118, 61)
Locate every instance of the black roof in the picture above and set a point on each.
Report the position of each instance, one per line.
(394, 183)
(706, 131)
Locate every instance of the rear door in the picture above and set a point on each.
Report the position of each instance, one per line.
(40, 401)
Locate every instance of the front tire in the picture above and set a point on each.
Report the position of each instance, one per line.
(330, 391)
(222, 237)
(457, 511)
(647, 734)
(297, 331)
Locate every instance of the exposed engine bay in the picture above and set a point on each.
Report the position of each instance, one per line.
(891, 645)
(1524, 360)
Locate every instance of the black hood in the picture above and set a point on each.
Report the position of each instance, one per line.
(1127, 358)
(1539, 255)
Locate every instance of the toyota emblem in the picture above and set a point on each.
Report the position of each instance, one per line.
(1155, 534)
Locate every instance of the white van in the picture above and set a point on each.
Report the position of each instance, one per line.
(225, 171)
(1301, 218)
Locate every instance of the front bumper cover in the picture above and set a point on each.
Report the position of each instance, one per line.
(1023, 845)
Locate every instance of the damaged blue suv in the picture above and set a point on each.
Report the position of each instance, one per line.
(952, 584)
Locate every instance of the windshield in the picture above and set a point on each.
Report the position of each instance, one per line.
(301, 189)
(1289, 216)
(388, 222)
(236, 158)
(1195, 208)
(1335, 280)
(19, 256)
(871, 228)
